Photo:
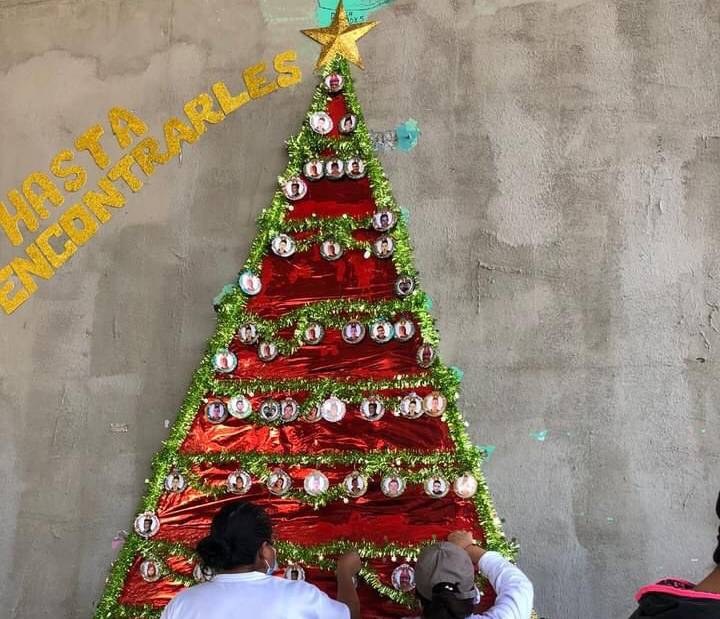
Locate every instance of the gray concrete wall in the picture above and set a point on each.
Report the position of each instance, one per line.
(564, 202)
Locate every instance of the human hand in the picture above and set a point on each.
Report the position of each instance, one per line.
(348, 564)
(461, 538)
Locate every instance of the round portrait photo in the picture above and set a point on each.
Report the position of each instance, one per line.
(383, 247)
(404, 286)
(403, 578)
(333, 409)
(355, 168)
(392, 486)
(294, 572)
(215, 411)
(404, 329)
(316, 483)
(465, 486)
(372, 408)
(334, 169)
(150, 571)
(353, 332)
(314, 334)
(279, 482)
(202, 573)
(434, 404)
(312, 414)
(381, 331)
(239, 482)
(355, 484)
(175, 482)
(270, 410)
(289, 410)
(411, 406)
(239, 407)
(249, 283)
(247, 334)
(321, 123)
(436, 487)
(334, 83)
(147, 524)
(331, 250)
(295, 188)
(314, 169)
(348, 123)
(283, 245)
(224, 361)
(267, 351)
(383, 221)
(425, 356)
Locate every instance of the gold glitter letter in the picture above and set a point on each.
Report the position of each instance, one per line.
(78, 172)
(288, 74)
(255, 83)
(43, 242)
(90, 141)
(123, 121)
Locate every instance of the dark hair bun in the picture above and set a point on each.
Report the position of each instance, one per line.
(214, 552)
(716, 556)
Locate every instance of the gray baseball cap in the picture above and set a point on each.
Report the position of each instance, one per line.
(445, 562)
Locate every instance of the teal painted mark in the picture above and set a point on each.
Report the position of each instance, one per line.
(357, 10)
(487, 450)
(408, 134)
(404, 214)
(539, 436)
(227, 288)
(459, 374)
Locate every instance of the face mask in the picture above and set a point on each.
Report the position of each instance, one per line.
(477, 598)
(272, 568)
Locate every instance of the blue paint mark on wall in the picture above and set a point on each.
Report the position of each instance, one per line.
(408, 134)
(357, 10)
(487, 450)
(539, 436)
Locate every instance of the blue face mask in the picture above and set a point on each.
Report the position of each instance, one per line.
(272, 568)
(478, 596)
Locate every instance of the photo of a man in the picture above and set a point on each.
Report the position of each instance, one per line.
(321, 123)
(295, 188)
(334, 82)
(348, 123)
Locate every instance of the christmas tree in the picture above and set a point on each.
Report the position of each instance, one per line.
(321, 396)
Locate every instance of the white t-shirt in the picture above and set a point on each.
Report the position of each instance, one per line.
(255, 595)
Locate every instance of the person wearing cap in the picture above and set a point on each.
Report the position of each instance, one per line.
(445, 581)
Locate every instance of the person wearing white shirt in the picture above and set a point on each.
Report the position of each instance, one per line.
(239, 549)
(445, 581)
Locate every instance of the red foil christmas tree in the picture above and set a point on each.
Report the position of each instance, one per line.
(321, 396)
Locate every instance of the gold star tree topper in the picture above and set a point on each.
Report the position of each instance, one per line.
(340, 38)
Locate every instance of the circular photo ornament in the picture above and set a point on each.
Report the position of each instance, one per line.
(316, 483)
(147, 524)
(239, 482)
(267, 351)
(249, 283)
(335, 169)
(224, 361)
(270, 410)
(239, 407)
(404, 329)
(383, 221)
(289, 410)
(215, 411)
(411, 406)
(175, 482)
(381, 331)
(202, 573)
(403, 578)
(392, 486)
(334, 83)
(372, 408)
(279, 482)
(247, 334)
(314, 334)
(348, 123)
(314, 169)
(321, 123)
(355, 168)
(435, 404)
(312, 414)
(355, 484)
(333, 409)
(331, 250)
(353, 332)
(383, 247)
(465, 486)
(294, 188)
(283, 245)
(294, 572)
(404, 286)
(150, 571)
(436, 487)
(425, 356)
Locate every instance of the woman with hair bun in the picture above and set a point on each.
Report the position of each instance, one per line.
(673, 598)
(240, 552)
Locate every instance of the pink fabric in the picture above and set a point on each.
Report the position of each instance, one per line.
(680, 591)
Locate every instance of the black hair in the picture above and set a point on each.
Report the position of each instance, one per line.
(237, 532)
(445, 604)
(716, 556)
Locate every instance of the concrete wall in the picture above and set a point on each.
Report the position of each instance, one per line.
(564, 202)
